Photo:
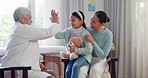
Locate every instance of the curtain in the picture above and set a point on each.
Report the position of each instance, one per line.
(66, 9)
(129, 26)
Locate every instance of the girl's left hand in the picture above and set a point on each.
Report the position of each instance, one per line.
(71, 50)
(89, 38)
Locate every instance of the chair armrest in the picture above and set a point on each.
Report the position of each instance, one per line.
(65, 61)
(113, 59)
(15, 68)
(12, 69)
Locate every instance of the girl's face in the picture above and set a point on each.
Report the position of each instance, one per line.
(26, 19)
(75, 22)
(95, 23)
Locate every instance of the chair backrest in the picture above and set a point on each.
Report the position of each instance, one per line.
(13, 69)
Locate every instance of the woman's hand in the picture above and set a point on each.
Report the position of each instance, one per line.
(42, 67)
(54, 17)
(89, 38)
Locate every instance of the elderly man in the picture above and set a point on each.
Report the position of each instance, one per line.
(23, 48)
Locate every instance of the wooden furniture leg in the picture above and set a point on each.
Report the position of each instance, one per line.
(112, 67)
(65, 61)
(54, 59)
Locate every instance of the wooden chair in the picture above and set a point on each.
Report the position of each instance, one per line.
(111, 63)
(13, 69)
(112, 68)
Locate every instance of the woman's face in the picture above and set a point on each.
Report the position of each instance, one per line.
(75, 22)
(26, 19)
(95, 23)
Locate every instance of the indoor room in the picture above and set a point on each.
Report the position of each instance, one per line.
(37, 38)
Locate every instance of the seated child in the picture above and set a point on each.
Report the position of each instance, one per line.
(84, 51)
(74, 43)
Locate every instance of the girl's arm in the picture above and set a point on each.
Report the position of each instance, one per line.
(61, 34)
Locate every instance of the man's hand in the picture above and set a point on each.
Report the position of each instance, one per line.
(43, 67)
(54, 17)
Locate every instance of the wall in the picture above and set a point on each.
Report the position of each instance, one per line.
(99, 6)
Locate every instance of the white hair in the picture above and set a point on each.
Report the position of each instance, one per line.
(20, 11)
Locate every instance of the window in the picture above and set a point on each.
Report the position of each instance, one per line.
(40, 16)
(41, 12)
(6, 18)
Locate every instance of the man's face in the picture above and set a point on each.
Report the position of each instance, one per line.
(26, 19)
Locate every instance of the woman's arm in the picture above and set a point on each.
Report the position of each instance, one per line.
(104, 51)
(86, 47)
(98, 51)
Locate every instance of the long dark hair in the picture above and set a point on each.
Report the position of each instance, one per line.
(103, 18)
(77, 15)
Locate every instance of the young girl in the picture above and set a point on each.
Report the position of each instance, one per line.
(84, 52)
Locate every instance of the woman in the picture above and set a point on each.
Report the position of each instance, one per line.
(101, 39)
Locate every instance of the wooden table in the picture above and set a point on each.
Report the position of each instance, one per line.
(55, 58)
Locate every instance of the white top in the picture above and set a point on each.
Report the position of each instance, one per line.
(23, 48)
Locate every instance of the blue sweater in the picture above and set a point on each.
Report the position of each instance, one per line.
(103, 40)
(86, 48)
